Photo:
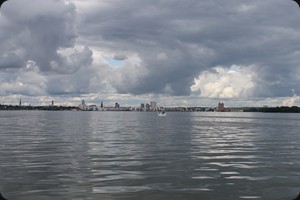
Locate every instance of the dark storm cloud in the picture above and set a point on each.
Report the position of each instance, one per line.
(197, 35)
(163, 44)
(152, 29)
(37, 30)
(10, 60)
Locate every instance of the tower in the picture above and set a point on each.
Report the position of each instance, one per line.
(221, 107)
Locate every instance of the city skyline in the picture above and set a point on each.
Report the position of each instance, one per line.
(181, 53)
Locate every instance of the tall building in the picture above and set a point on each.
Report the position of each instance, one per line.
(83, 106)
(20, 103)
(153, 105)
(147, 106)
(221, 107)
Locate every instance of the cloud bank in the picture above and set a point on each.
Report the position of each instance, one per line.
(193, 51)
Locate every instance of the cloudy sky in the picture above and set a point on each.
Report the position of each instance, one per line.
(191, 52)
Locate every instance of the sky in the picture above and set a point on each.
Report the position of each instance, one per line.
(174, 52)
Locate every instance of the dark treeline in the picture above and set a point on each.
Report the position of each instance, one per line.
(281, 109)
(50, 108)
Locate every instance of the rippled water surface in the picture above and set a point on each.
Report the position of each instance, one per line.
(138, 155)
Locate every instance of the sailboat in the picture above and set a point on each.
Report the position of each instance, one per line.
(162, 113)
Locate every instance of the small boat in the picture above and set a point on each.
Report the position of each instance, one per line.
(162, 113)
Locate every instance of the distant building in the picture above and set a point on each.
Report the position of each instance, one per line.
(92, 108)
(147, 106)
(221, 107)
(83, 106)
(153, 105)
(117, 105)
(143, 107)
(20, 103)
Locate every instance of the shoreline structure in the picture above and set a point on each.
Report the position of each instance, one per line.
(281, 109)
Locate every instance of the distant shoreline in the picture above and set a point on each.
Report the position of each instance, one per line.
(278, 109)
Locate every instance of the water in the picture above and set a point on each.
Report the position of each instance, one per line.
(138, 155)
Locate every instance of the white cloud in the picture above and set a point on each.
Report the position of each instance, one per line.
(26, 81)
(154, 48)
(291, 101)
(233, 82)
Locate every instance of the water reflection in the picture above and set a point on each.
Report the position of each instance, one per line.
(144, 145)
(44, 154)
(234, 142)
(115, 155)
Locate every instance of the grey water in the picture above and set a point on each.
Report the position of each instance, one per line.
(138, 155)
